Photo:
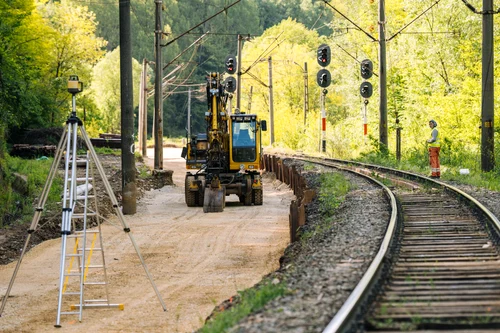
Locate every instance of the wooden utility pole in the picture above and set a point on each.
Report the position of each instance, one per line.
(158, 124)
(144, 102)
(140, 128)
(143, 113)
(487, 105)
(129, 190)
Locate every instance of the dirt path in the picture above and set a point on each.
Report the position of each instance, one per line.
(197, 260)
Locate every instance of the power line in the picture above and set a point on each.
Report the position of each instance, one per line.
(208, 19)
(96, 2)
(430, 32)
(482, 12)
(416, 18)
(348, 19)
(218, 34)
(264, 54)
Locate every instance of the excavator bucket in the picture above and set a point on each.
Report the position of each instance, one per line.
(215, 197)
(215, 200)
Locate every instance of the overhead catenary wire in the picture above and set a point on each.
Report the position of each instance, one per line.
(196, 26)
(184, 51)
(348, 19)
(264, 53)
(186, 79)
(416, 18)
(473, 9)
(246, 71)
(319, 17)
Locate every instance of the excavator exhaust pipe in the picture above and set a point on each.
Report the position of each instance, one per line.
(215, 198)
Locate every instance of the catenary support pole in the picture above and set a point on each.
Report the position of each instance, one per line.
(238, 74)
(383, 79)
(271, 102)
(487, 105)
(189, 115)
(306, 94)
(129, 189)
(158, 125)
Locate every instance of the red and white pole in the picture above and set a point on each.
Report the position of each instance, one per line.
(365, 119)
(323, 121)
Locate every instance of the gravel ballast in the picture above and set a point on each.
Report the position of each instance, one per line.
(320, 271)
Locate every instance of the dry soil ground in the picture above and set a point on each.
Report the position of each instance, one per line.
(197, 260)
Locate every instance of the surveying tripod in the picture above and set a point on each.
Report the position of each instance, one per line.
(68, 226)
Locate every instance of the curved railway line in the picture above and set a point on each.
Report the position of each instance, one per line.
(438, 267)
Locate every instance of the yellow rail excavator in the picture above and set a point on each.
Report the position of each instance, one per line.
(226, 159)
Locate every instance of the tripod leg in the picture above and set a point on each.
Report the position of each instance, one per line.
(38, 212)
(68, 206)
(119, 212)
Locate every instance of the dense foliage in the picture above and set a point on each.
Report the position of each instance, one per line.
(433, 67)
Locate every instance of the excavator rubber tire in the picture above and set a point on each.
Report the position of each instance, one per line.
(248, 199)
(257, 197)
(200, 195)
(248, 196)
(190, 196)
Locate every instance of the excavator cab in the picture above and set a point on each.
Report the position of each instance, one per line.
(245, 142)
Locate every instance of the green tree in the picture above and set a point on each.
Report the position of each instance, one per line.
(105, 89)
(23, 60)
(75, 49)
(292, 44)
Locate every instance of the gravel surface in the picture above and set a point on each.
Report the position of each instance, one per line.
(322, 270)
(490, 199)
(13, 237)
(196, 259)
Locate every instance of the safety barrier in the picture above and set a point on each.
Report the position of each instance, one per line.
(292, 176)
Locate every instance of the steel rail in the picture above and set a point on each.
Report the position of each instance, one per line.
(344, 318)
(495, 221)
(344, 315)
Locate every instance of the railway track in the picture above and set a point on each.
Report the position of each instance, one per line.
(447, 273)
(438, 267)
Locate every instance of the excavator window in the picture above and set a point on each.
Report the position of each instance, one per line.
(244, 141)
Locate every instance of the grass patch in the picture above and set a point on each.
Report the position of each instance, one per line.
(451, 162)
(106, 151)
(20, 205)
(332, 192)
(144, 172)
(333, 189)
(250, 300)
